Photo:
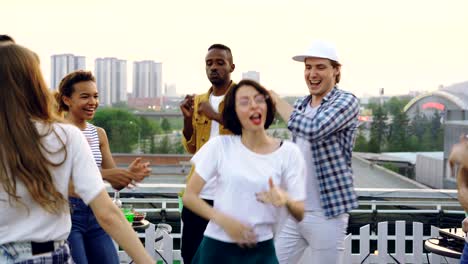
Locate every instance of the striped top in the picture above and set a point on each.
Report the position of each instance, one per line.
(90, 132)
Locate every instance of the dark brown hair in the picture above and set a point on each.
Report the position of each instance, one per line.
(6, 38)
(335, 65)
(229, 116)
(66, 86)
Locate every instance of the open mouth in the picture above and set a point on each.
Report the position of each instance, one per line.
(256, 119)
(315, 83)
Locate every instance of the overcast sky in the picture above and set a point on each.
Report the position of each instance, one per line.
(400, 45)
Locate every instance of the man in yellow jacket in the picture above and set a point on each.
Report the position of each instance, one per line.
(202, 121)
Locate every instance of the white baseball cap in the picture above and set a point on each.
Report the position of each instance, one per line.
(319, 49)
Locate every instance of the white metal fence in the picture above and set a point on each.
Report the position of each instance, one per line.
(382, 254)
(423, 201)
(159, 244)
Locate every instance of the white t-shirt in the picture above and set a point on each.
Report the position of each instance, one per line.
(240, 174)
(214, 102)
(16, 224)
(312, 202)
(209, 189)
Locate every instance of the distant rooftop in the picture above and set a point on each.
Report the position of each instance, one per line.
(458, 88)
(411, 156)
(370, 175)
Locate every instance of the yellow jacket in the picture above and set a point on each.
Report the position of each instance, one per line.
(202, 127)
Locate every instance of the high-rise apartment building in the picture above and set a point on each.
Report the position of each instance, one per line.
(111, 80)
(147, 79)
(251, 75)
(170, 90)
(63, 64)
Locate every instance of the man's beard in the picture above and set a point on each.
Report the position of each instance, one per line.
(217, 82)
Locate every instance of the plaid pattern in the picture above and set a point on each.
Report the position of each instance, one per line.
(20, 253)
(331, 134)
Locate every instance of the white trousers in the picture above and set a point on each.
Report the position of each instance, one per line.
(323, 236)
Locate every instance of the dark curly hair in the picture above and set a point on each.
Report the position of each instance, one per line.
(6, 38)
(229, 116)
(66, 86)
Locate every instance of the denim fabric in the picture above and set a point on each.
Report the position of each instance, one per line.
(89, 243)
(21, 253)
(464, 257)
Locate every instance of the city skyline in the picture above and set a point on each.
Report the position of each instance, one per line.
(111, 80)
(61, 65)
(399, 45)
(147, 79)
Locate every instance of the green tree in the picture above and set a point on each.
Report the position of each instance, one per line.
(121, 127)
(164, 146)
(396, 104)
(165, 125)
(413, 143)
(148, 128)
(178, 148)
(398, 134)
(378, 130)
(373, 106)
(437, 132)
(361, 143)
(418, 126)
(426, 142)
(153, 148)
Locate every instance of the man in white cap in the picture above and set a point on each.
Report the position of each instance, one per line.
(324, 125)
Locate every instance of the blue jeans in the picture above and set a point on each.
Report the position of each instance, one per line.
(464, 257)
(89, 243)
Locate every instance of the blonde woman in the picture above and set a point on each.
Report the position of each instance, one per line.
(39, 157)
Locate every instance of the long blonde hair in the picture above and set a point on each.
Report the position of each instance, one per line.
(24, 97)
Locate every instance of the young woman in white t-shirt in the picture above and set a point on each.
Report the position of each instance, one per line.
(39, 157)
(259, 179)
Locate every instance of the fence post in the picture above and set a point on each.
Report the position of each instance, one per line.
(435, 259)
(168, 247)
(364, 238)
(400, 241)
(348, 251)
(150, 238)
(382, 242)
(418, 243)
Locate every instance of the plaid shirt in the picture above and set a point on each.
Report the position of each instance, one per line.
(331, 133)
(20, 253)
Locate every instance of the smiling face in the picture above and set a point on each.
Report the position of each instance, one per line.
(84, 100)
(251, 108)
(320, 76)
